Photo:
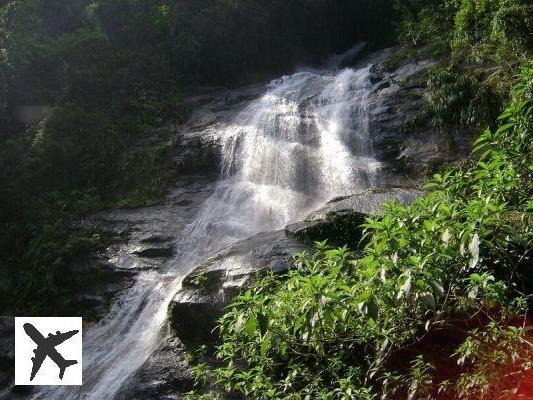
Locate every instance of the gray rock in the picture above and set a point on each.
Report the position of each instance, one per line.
(368, 202)
(102, 282)
(212, 285)
(139, 239)
(339, 221)
(338, 228)
(165, 375)
(158, 238)
(396, 103)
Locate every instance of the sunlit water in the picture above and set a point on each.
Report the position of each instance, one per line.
(303, 142)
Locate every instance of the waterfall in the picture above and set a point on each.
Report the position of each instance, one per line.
(304, 141)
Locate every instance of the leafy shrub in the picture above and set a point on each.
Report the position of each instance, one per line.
(34, 269)
(494, 28)
(475, 30)
(459, 98)
(490, 355)
(512, 29)
(426, 22)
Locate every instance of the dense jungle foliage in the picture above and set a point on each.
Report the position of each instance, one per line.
(436, 304)
(83, 82)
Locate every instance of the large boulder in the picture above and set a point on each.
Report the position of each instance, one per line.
(368, 202)
(338, 228)
(165, 375)
(154, 251)
(212, 285)
(339, 221)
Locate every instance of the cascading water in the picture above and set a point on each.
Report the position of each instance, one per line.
(303, 142)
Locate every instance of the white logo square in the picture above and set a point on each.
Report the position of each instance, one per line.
(48, 351)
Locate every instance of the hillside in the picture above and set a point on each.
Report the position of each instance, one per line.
(305, 199)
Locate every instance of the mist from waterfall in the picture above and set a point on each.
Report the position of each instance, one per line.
(304, 141)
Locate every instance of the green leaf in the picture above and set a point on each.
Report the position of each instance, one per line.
(251, 326)
(265, 346)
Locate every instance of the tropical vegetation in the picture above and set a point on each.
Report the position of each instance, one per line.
(434, 302)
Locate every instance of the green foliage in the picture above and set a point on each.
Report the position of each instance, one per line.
(73, 103)
(426, 22)
(512, 28)
(494, 28)
(479, 43)
(34, 267)
(459, 98)
(252, 37)
(475, 30)
(341, 327)
(490, 354)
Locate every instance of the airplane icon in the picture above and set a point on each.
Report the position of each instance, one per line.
(46, 348)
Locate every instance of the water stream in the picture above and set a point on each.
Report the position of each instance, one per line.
(304, 141)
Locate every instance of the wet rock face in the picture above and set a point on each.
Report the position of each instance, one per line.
(165, 375)
(102, 282)
(140, 239)
(367, 202)
(155, 252)
(396, 102)
(145, 238)
(211, 286)
(197, 151)
(338, 228)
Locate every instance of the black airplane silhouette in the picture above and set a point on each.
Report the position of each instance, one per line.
(46, 347)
